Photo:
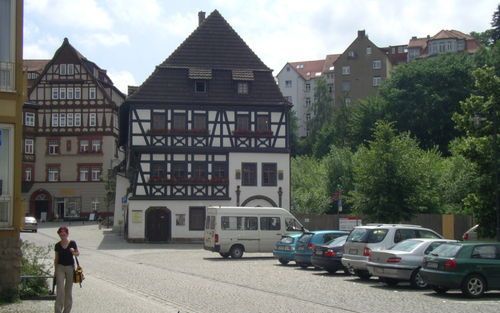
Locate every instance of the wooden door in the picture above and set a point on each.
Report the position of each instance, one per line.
(158, 224)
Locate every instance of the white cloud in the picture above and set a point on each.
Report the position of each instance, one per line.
(96, 40)
(122, 79)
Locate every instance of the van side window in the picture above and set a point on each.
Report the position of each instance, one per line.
(239, 223)
(292, 224)
(270, 223)
(210, 222)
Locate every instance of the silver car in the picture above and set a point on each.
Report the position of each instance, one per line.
(403, 261)
(30, 224)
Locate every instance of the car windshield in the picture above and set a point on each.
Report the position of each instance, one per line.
(407, 245)
(305, 238)
(367, 235)
(340, 241)
(446, 250)
(287, 240)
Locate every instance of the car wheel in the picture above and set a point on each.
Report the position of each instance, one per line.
(473, 286)
(283, 261)
(439, 290)
(364, 275)
(236, 252)
(332, 270)
(417, 281)
(224, 255)
(347, 271)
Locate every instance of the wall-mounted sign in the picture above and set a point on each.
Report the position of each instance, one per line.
(136, 216)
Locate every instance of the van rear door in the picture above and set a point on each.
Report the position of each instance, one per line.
(271, 230)
(209, 237)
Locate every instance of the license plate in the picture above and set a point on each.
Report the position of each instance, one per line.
(353, 251)
(432, 265)
(319, 252)
(281, 248)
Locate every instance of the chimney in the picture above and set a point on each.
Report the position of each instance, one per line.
(414, 38)
(361, 33)
(201, 17)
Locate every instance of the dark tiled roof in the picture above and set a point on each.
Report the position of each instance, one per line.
(216, 53)
(215, 44)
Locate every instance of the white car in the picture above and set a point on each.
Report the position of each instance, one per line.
(471, 234)
(30, 224)
(365, 239)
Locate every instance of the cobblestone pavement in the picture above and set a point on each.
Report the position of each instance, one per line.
(123, 277)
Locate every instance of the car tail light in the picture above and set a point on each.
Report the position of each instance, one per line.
(216, 238)
(450, 264)
(330, 253)
(393, 260)
(367, 252)
(311, 246)
(465, 236)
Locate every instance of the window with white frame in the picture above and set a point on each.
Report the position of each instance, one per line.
(346, 70)
(377, 80)
(6, 173)
(84, 146)
(92, 93)
(78, 93)
(62, 69)
(242, 88)
(92, 120)
(308, 101)
(53, 173)
(288, 84)
(55, 93)
(95, 204)
(53, 146)
(69, 120)
(377, 64)
(346, 86)
(29, 146)
(69, 93)
(96, 145)
(62, 119)
(28, 174)
(78, 119)
(62, 93)
(96, 174)
(29, 119)
(368, 50)
(7, 43)
(84, 174)
(71, 69)
(308, 87)
(55, 120)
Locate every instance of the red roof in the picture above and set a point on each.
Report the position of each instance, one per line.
(34, 65)
(308, 69)
(445, 34)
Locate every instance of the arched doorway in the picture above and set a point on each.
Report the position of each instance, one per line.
(259, 201)
(41, 204)
(158, 224)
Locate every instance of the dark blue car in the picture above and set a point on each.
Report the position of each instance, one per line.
(329, 256)
(308, 241)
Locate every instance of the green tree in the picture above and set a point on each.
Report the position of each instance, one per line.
(339, 171)
(495, 23)
(393, 179)
(422, 96)
(308, 180)
(364, 116)
(479, 118)
(294, 129)
(484, 38)
(321, 109)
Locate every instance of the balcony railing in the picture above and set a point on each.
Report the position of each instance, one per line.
(7, 76)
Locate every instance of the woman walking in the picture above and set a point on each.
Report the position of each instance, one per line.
(64, 264)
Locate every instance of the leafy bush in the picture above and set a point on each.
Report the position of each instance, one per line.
(34, 263)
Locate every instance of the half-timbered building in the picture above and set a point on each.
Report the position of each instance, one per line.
(208, 127)
(71, 136)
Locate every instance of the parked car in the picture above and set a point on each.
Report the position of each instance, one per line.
(329, 256)
(473, 267)
(30, 224)
(365, 239)
(284, 250)
(471, 234)
(403, 261)
(308, 241)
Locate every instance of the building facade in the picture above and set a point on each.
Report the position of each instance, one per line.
(360, 70)
(445, 41)
(11, 100)
(71, 137)
(208, 127)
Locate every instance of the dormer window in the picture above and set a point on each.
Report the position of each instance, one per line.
(200, 86)
(71, 69)
(62, 69)
(242, 88)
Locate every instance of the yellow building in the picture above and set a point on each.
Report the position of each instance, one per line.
(11, 101)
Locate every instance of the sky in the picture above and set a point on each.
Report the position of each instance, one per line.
(129, 38)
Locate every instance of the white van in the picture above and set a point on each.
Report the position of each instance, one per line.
(231, 231)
